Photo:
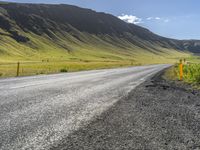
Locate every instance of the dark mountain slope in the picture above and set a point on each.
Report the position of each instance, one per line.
(74, 24)
(42, 18)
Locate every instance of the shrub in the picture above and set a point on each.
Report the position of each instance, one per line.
(63, 70)
(192, 73)
(41, 72)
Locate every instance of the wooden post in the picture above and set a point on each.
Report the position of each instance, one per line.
(184, 60)
(18, 65)
(181, 70)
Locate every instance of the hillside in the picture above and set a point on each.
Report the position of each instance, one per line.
(33, 32)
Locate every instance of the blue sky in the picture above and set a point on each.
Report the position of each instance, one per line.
(171, 18)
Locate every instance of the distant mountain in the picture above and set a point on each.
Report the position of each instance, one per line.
(67, 26)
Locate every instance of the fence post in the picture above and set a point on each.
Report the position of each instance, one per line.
(18, 65)
(181, 70)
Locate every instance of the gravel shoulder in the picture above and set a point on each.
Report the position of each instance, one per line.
(158, 114)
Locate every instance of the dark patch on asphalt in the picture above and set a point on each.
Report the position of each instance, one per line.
(158, 114)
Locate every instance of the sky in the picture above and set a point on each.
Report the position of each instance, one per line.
(178, 19)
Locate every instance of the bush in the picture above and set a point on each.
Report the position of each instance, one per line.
(63, 70)
(1, 74)
(41, 72)
(192, 73)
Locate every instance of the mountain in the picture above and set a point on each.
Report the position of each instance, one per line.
(36, 31)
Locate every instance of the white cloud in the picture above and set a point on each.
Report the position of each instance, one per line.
(149, 18)
(130, 19)
(157, 18)
(153, 18)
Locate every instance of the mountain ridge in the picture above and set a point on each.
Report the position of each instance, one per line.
(69, 26)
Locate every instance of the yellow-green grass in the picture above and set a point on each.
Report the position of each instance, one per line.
(194, 59)
(171, 73)
(65, 53)
(48, 66)
(191, 71)
(35, 68)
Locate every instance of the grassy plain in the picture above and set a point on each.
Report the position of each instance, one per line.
(43, 55)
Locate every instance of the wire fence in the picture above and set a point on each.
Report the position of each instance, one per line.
(30, 68)
(48, 67)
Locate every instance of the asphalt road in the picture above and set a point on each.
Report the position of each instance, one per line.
(38, 112)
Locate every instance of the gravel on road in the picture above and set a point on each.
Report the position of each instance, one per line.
(157, 115)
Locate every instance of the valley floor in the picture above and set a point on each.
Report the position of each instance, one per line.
(10, 67)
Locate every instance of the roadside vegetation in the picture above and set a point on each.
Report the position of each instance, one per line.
(191, 72)
(171, 73)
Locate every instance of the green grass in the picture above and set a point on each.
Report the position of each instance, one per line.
(192, 73)
(171, 73)
(43, 55)
(9, 70)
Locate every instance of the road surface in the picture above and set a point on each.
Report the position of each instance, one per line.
(37, 112)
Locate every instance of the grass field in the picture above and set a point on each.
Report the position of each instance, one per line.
(66, 53)
(36, 68)
(48, 65)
